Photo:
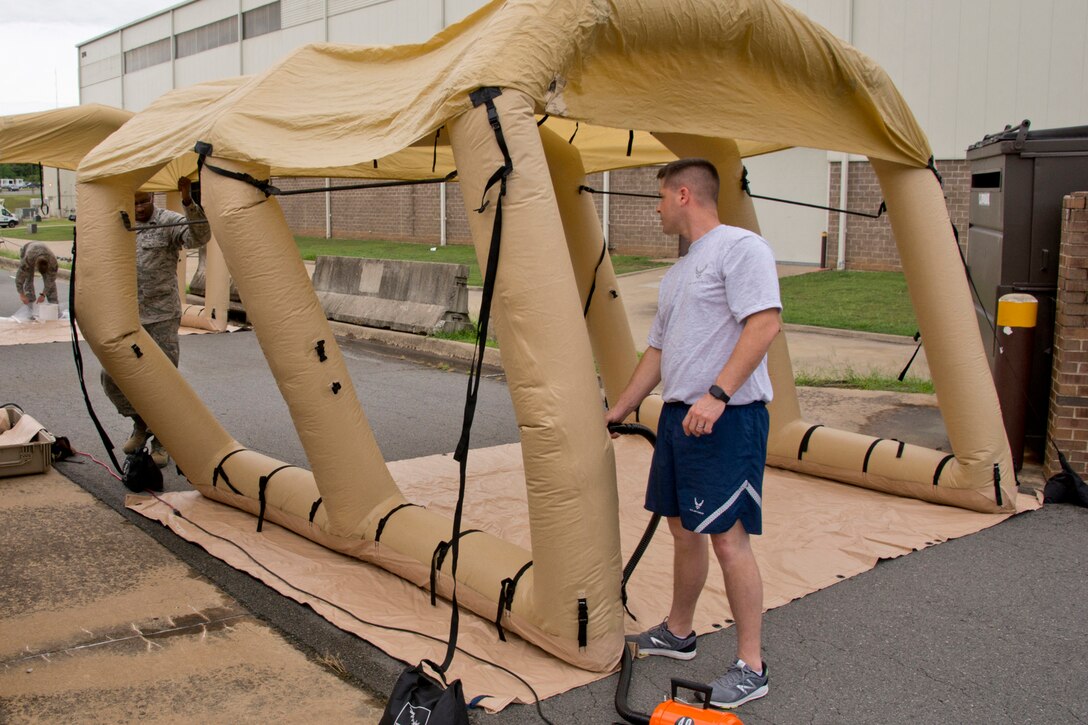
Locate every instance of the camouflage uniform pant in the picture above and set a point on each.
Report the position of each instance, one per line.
(165, 335)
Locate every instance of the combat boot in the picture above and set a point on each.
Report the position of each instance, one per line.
(158, 453)
(138, 439)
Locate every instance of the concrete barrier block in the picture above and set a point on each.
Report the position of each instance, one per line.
(418, 297)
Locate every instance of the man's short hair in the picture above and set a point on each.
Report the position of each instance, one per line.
(699, 175)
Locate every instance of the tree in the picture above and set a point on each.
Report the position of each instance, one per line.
(26, 172)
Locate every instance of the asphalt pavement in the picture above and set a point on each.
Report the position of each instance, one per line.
(987, 628)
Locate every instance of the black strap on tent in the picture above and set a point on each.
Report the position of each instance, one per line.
(630, 141)
(262, 485)
(903, 372)
(434, 152)
(591, 190)
(593, 283)
(940, 467)
(220, 471)
(746, 188)
(485, 97)
(576, 127)
(869, 453)
(997, 483)
(583, 623)
(543, 120)
(655, 519)
(506, 596)
(77, 357)
(439, 556)
(313, 509)
(803, 448)
(266, 186)
(385, 519)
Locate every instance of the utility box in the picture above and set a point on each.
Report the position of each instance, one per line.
(1018, 179)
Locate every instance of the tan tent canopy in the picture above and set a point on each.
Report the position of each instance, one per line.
(622, 83)
(738, 69)
(59, 138)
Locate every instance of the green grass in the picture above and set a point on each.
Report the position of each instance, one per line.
(54, 230)
(467, 335)
(864, 381)
(312, 247)
(866, 301)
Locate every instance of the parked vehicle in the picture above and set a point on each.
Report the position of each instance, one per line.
(7, 219)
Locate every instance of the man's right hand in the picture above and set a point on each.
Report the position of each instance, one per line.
(24, 299)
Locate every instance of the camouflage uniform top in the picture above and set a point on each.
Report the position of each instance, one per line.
(157, 261)
(29, 257)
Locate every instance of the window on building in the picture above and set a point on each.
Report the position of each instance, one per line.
(265, 19)
(147, 55)
(206, 37)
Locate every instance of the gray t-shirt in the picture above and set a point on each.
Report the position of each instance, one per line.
(727, 275)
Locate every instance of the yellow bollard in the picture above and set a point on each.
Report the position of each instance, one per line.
(1016, 317)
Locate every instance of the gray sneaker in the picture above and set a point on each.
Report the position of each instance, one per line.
(738, 685)
(660, 641)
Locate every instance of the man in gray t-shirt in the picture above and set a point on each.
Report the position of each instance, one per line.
(718, 312)
(162, 236)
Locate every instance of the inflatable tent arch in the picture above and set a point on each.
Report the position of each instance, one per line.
(60, 138)
(765, 78)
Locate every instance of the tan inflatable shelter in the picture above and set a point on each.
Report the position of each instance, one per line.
(547, 90)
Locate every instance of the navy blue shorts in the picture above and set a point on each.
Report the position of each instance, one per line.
(715, 480)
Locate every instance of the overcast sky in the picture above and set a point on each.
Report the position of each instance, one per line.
(39, 41)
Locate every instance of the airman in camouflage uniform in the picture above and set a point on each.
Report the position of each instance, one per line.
(36, 257)
(157, 253)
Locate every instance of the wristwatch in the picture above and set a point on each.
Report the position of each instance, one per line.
(719, 394)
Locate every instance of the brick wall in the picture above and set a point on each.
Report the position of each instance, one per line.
(1068, 420)
(411, 213)
(870, 244)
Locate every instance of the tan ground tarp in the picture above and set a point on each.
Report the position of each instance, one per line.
(754, 70)
(816, 533)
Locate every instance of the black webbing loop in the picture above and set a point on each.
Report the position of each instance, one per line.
(265, 186)
(262, 485)
(313, 509)
(439, 556)
(136, 349)
(220, 471)
(746, 188)
(583, 623)
(319, 347)
(543, 120)
(593, 283)
(868, 453)
(997, 483)
(506, 596)
(483, 96)
(803, 448)
(902, 447)
(434, 152)
(630, 141)
(385, 519)
(576, 127)
(940, 467)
